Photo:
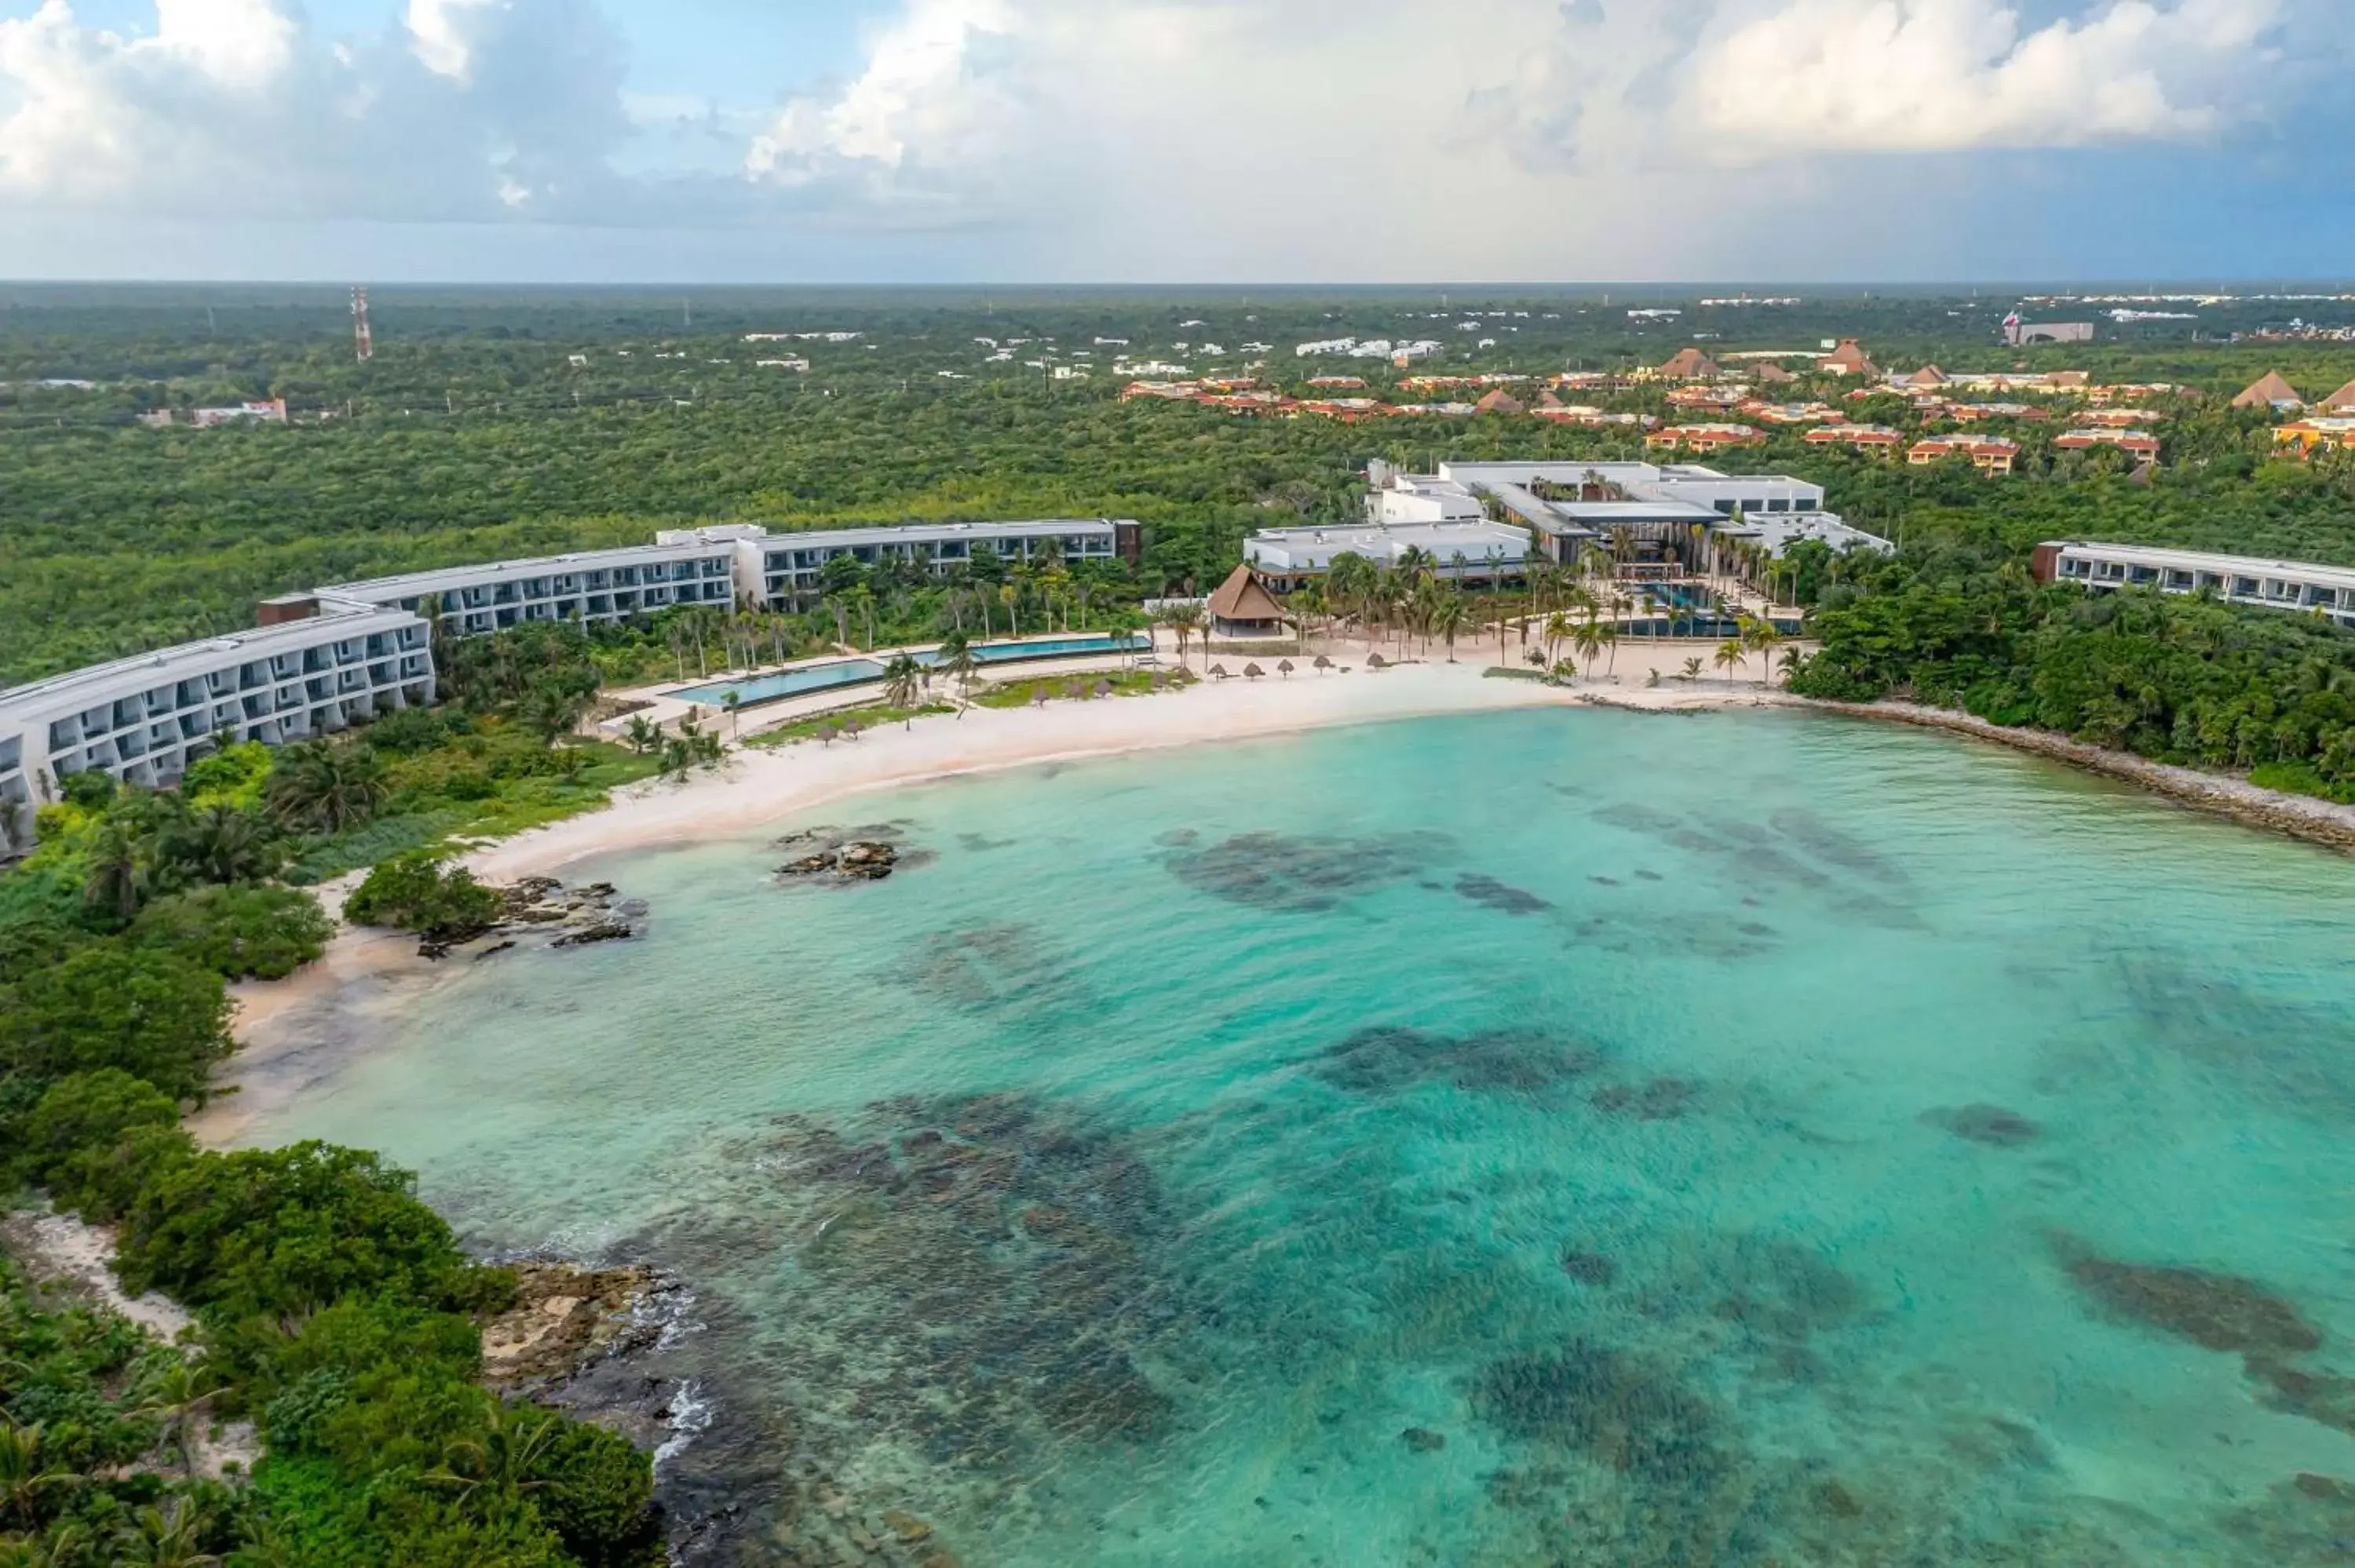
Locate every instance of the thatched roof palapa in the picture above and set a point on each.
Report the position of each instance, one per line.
(1241, 597)
(2269, 391)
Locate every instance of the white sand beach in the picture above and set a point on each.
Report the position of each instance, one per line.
(755, 787)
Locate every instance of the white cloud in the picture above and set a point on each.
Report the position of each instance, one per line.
(1880, 76)
(234, 108)
(1150, 138)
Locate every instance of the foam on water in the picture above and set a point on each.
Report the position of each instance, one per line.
(1551, 1137)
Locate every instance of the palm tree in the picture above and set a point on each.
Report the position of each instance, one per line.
(956, 657)
(1558, 630)
(325, 787)
(731, 699)
(554, 711)
(504, 1456)
(1761, 635)
(167, 1536)
(902, 678)
(1450, 617)
(1010, 596)
(1691, 671)
(1183, 620)
(1588, 639)
(1730, 654)
(26, 1475)
(643, 736)
(176, 1397)
(121, 874)
(223, 843)
(1789, 662)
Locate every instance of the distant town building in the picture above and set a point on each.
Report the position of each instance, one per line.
(2018, 333)
(270, 412)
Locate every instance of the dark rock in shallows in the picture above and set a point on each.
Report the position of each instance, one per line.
(2217, 1312)
(1423, 1440)
(602, 931)
(1493, 894)
(1661, 1099)
(1990, 1125)
(1588, 1267)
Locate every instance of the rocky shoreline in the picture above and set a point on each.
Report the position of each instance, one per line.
(542, 906)
(2316, 821)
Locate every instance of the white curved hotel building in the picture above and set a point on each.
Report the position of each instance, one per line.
(321, 661)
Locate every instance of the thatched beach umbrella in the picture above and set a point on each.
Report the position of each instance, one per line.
(852, 728)
(825, 734)
(1104, 687)
(1253, 672)
(1073, 689)
(1376, 661)
(1160, 679)
(1323, 664)
(1283, 668)
(1219, 672)
(1039, 695)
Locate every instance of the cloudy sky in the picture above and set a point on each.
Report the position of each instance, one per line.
(1175, 140)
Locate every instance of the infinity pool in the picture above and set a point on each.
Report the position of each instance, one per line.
(801, 683)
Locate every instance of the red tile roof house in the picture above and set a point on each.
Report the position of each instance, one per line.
(1706, 438)
(1878, 439)
(1988, 454)
(2141, 443)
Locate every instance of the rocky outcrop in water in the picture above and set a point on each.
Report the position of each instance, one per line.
(540, 910)
(845, 856)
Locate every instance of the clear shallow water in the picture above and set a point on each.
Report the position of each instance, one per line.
(1747, 1138)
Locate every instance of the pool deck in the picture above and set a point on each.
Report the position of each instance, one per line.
(666, 702)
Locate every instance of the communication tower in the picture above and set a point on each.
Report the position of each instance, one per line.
(363, 341)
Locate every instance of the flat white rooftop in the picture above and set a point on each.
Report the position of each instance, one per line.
(1312, 549)
(2203, 561)
(405, 584)
(333, 623)
(816, 538)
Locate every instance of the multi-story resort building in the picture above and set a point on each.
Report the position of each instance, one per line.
(321, 660)
(1568, 505)
(2236, 579)
(693, 568)
(785, 568)
(1468, 550)
(145, 719)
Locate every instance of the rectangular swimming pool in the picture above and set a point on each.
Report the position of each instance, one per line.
(784, 683)
(754, 690)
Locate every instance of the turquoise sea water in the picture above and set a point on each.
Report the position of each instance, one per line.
(1551, 1138)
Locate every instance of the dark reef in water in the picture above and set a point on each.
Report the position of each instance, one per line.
(1388, 1061)
(2225, 1313)
(1489, 893)
(992, 970)
(1794, 849)
(1656, 1100)
(981, 1286)
(1990, 1125)
(1305, 872)
(1609, 1405)
(2216, 1311)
